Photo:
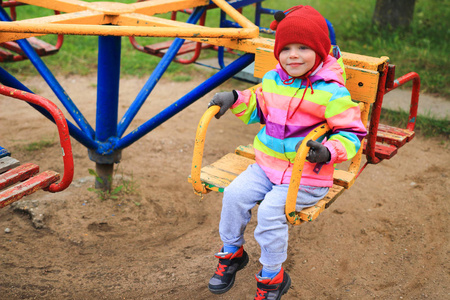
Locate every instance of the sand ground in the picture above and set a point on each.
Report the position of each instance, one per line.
(385, 238)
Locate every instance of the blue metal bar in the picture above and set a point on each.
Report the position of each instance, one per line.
(155, 76)
(204, 88)
(108, 79)
(9, 80)
(331, 31)
(4, 152)
(51, 81)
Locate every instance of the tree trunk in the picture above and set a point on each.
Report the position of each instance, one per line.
(393, 13)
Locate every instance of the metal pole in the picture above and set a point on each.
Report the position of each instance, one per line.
(204, 88)
(108, 78)
(155, 76)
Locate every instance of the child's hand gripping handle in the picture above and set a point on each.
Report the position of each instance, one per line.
(297, 170)
(225, 100)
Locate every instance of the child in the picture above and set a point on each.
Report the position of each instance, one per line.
(305, 90)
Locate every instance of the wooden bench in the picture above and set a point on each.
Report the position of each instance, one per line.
(11, 50)
(16, 180)
(367, 81)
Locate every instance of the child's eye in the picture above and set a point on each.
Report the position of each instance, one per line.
(303, 47)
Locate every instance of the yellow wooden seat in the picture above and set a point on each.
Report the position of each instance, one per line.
(366, 80)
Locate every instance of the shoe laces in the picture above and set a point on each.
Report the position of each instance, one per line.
(260, 294)
(220, 269)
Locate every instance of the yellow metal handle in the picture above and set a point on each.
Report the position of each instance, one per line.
(198, 148)
(296, 176)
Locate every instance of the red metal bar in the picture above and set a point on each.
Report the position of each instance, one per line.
(11, 3)
(63, 130)
(414, 96)
(375, 119)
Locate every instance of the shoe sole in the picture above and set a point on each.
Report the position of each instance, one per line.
(228, 287)
(286, 288)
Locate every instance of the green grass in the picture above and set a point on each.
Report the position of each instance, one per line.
(422, 48)
(39, 145)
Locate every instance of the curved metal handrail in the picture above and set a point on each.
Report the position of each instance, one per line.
(198, 148)
(299, 162)
(61, 123)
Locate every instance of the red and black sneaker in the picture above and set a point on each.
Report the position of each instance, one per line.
(229, 264)
(272, 288)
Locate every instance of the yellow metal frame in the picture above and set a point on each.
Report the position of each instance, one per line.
(198, 149)
(299, 162)
(291, 214)
(134, 19)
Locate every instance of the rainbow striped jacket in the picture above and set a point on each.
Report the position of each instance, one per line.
(289, 114)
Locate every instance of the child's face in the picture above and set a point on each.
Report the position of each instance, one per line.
(297, 59)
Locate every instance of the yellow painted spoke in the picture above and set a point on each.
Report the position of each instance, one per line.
(135, 19)
(163, 6)
(61, 5)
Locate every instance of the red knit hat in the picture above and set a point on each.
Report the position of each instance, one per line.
(302, 24)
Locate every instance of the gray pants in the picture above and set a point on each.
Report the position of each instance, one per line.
(271, 232)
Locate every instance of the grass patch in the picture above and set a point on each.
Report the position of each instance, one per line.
(39, 145)
(121, 188)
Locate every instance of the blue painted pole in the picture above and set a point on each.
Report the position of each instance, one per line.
(108, 79)
(9, 80)
(155, 77)
(51, 81)
(204, 88)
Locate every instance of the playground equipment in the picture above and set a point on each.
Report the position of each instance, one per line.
(110, 21)
(42, 48)
(368, 80)
(26, 175)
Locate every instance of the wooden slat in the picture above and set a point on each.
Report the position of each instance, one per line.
(6, 55)
(7, 163)
(264, 62)
(362, 84)
(220, 173)
(160, 48)
(341, 177)
(364, 61)
(17, 174)
(42, 47)
(13, 46)
(408, 134)
(311, 213)
(246, 151)
(28, 187)
(382, 151)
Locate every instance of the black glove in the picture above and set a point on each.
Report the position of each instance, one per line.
(225, 100)
(318, 153)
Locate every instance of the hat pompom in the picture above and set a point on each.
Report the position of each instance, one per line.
(279, 15)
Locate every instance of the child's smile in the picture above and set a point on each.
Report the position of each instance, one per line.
(297, 59)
